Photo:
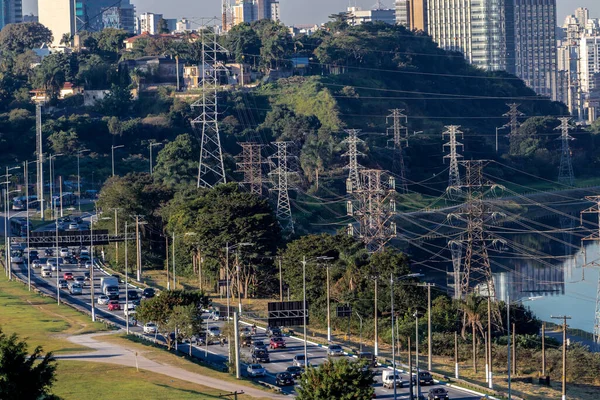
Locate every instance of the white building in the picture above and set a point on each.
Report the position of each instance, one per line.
(58, 16)
(358, 16)
(589, 63)
(249, 11)
(150, 23)
(183, 25)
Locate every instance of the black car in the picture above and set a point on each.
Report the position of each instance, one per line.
(425, 378)
(260, 356)
(148, 293)
(284, 379)
(295, 371)
(438, 394)
(273, 331)
(133, 297)
(48, 252)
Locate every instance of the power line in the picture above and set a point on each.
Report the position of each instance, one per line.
(399, 141)
(250, 164)
(353, 167)
(454, 173)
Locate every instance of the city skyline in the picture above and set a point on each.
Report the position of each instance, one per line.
(294, 13)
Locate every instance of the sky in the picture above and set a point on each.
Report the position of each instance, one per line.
(294, 12)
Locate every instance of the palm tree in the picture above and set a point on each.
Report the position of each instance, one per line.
(474, 309)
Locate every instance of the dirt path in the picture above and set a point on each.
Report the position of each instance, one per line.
(114, 354)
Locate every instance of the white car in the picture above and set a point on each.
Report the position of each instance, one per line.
(36, 264)
(255, 370)
(62, 283)
(103, 299)
(88, 264)
(73, 225)
(16, 258)
(150, 328)
(299, 360)
(64, 252)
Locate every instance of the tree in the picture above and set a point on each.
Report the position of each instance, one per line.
(340, 380)
(474, 308)
(163, 27)
(118, 101)
(160, 309)
(186, 321)
(64, 142)
(24, 375)
(20, 37)
(111, 40)
(243, 43)
(177, 162)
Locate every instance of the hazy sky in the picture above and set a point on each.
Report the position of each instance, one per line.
(295, 11)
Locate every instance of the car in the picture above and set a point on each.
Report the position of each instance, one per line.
(62, 283)
(215, 315)
(388, 378)
(87, 264)
(260, 355)
(425, 378)
(86, 276)
(273, 331)
(258, 344)
(113, 305)
(70, 260)
(277, 342)
(214, 331)
(36, 264)
(50, 262)
(103, 299)
(245, 331)
(255, 370)
(148, 293)
(438, 394)
(64, 252)
(48, 253)
(34, 253)
(150, 328)
(73, 225)
(368, 357)
(54, 267)
(75, 288)
(299, 360)
(68, 276)
(284, 379)
(246, 342)
(16, 257)
(295, 371)
(80, 280)
(335, 350)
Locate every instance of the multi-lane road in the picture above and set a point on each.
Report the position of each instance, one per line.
(280, 358)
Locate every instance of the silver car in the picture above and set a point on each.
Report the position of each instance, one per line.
(299, 360)
(335, 350)
(103, 299)
(255, 370)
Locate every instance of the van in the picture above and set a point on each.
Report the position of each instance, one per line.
(368, 357)
(388, 379)
(46, 272)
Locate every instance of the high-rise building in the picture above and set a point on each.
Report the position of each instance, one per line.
(149, 23)
(357, 16)
(589, 63)
(402, 12)
(58, 16)
(254, 10)
(11, 12)
(582, 15)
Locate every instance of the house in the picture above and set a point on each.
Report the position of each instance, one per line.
(68, 89)
(159, 70)
(239, 72)
(90, 97)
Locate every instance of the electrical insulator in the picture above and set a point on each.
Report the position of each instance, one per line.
(348, 186)
(393, 205)
(350, 230)
(349, 208)
(393, 228)
(392, 182)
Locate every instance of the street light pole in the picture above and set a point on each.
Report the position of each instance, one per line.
(126, 287)
(112, 153)
(360, 347)
(393, 341)
(417, 352)
(329, 307)
(79, 179)
(304, 311)
(564, 355)
(92, 266)
(239, 285)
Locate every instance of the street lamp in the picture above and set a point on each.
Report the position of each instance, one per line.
(50, 160)
(26, 174)
(508, 304)
(304, 310)
(392, 281)
(227, 249)
(151, 145)
(112, 154)
(416, 315)
(79, 178)
(7, 232)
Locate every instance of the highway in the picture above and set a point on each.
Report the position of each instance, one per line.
(280, 358)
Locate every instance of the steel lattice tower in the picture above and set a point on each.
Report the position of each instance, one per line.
(453, 156)
(595, 236)
(280, 173)
(476, 268)
(513, 115)
(400, 140)
(353, 181)
(375, 209)
(250, 164)
(565, 173)
(211, 170)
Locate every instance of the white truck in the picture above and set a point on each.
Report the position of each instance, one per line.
(110, 287)
(387, 378)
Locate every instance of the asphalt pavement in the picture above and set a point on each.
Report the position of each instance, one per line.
(215, 353)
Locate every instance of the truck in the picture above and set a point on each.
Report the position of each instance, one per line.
(110, 287)
(387, 378)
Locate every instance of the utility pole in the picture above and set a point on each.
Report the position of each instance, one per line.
(564, 354)
(211, 169)
(429, 348)
(453, 156)
(40, 157)
(565, 172)
(250, 164)
(353, 181)
(513, 121)
(399, 141)
(475, 214)
(489, 341)
(280, 281)
(456, 355)
(594, 236)
(544, 349)
(375, 209)
(281, 172)
(138, 248)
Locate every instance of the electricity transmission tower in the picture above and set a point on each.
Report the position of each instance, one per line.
(280, 173)
(453, 156)
(565, 173)
(211, 170)
(595, 236)
(476, 269)
(400, 140)
(352, 141)
(250, 164)
(375, 209)
(513, 121)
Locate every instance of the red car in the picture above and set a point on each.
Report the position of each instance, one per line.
(277, 342)
(114, 305)
(68, 276)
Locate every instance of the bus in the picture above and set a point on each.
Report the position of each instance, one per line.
(18, 226)
(20, 203)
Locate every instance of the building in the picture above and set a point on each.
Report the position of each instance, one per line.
(248, 11)
(412, 14)
(532, 42)
(119, 17)
(357, 16)
(149, 23)
(11, 12)
(59, 17)
(589, 63)
(402, 12)
(183, 25)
